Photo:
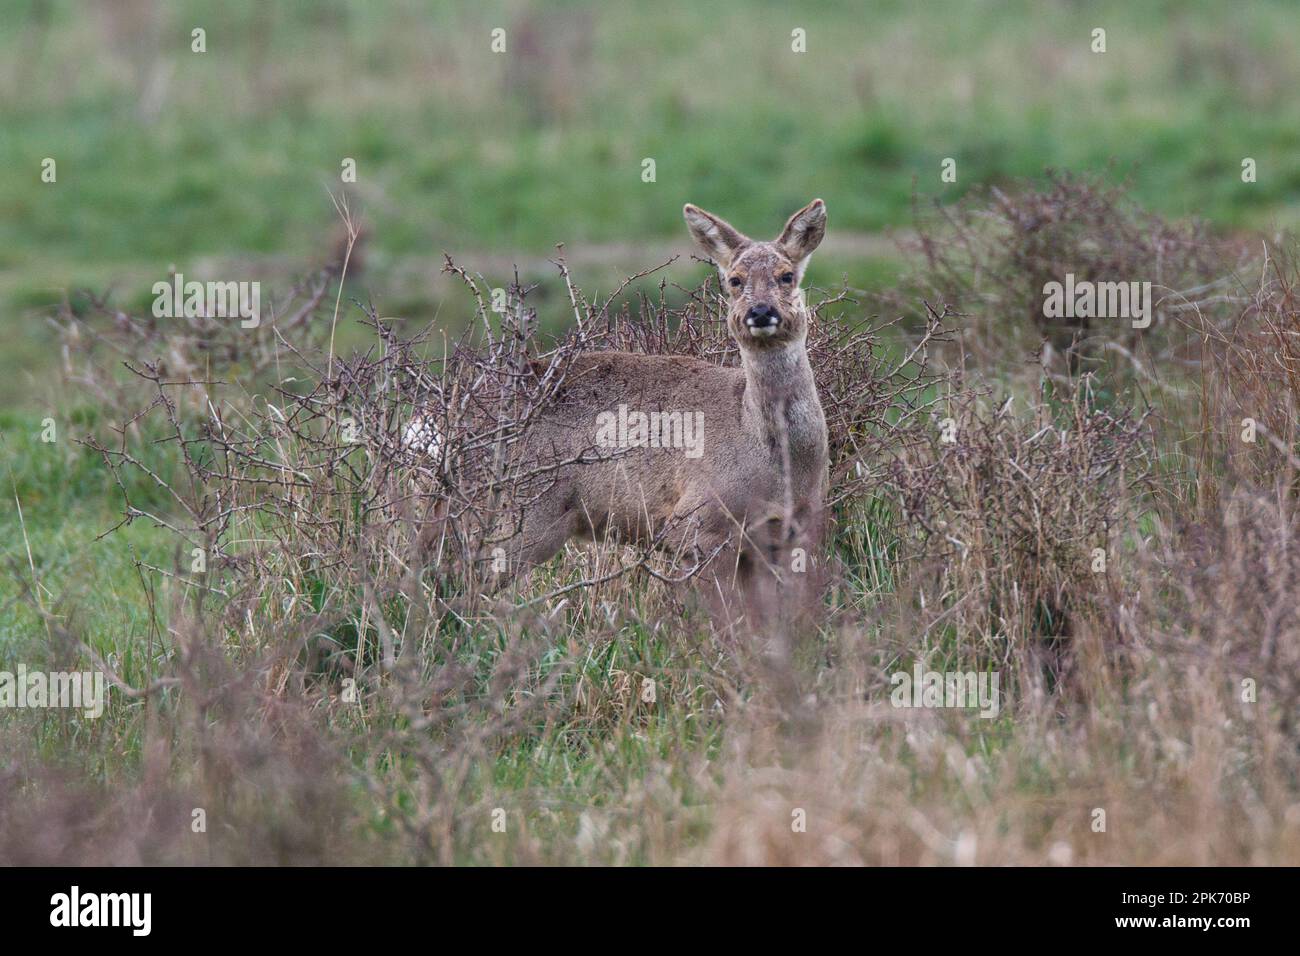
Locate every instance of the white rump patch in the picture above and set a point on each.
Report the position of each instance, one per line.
(422, 436)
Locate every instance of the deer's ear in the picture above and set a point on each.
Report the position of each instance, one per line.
(715, 236)
(804, 233)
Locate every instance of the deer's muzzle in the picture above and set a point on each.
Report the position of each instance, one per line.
(762, 320)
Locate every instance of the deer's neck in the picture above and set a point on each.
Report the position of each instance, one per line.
(781, 403)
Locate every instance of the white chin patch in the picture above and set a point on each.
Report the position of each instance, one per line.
(764, 332)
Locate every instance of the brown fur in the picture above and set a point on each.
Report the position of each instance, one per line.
(758, 487)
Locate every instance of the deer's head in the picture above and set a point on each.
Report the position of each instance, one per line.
(762, 279)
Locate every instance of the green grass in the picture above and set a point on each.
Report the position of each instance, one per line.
(220, 163)
(171, 157)
(51, 558)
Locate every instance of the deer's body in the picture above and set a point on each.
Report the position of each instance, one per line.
(754, 480)
(761, 452)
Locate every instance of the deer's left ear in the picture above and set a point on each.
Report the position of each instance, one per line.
(803, 234)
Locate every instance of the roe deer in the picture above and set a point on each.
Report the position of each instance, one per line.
(753, 478)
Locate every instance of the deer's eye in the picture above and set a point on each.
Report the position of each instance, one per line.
(736, 282)
(787, 278)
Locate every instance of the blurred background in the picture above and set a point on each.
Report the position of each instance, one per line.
(220, 163)
(225, 165)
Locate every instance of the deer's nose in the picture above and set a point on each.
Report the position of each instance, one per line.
(762, 316)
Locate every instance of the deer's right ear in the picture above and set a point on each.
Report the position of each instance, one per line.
(715, 236)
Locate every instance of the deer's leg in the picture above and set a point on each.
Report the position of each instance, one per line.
(783, 581)
(542, 529)
(702, 541)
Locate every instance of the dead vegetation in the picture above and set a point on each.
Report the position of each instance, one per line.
(991, 254)
(333, 686)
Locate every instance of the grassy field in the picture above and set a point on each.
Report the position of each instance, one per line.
(1124, 690)
(168, 157)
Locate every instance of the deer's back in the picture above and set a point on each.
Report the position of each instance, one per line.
(693, 450)
(601, 381)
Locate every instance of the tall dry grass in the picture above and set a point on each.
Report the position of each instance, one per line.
(336, 687)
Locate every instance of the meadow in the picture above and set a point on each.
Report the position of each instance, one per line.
(318, 694)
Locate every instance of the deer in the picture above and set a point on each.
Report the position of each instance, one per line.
(751, 484)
